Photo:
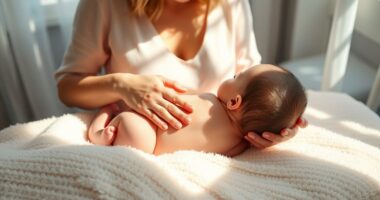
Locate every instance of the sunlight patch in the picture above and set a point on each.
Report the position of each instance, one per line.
(360, 128)
(317, 113)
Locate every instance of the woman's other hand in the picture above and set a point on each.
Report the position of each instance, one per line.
(269, 139)
(154, 97)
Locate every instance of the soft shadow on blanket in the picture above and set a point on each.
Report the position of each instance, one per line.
(59, 162)
(51, 159)
(280, 172)
(118, 172)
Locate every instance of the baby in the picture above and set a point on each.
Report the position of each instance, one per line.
(261, 98)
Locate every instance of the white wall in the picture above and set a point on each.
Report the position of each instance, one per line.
(310, 34)
(368, 19)
(308, 24)
(311, 27)
(266, 24)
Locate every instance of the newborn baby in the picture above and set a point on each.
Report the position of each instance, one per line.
(261, 98)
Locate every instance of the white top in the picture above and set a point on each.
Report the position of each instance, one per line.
(106, 34)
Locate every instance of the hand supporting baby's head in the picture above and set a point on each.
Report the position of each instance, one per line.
(273, 100)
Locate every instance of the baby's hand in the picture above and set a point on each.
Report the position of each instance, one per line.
(104, 137)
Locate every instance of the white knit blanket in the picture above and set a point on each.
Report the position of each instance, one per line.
(336, 157)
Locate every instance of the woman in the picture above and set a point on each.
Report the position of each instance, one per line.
(152, 50)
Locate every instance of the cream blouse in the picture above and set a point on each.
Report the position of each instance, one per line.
(106, 35)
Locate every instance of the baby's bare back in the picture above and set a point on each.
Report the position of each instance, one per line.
(210, 129)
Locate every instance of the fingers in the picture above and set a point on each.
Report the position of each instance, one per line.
(155, 119)
(289, 133)
(253, 143)
(303, 123)
(176, 113)
(257, 141)
(157, 99)
(164, 114)
(161, 115)
(174, 85)
(269, 139)
(174, 99)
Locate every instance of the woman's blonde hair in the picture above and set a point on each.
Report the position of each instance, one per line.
(153, 8)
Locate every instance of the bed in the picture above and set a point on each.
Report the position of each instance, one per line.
(336, 157)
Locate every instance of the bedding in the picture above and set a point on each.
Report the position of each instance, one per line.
(336, 157)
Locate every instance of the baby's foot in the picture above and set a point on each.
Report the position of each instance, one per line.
(109, 134)
(105, 136)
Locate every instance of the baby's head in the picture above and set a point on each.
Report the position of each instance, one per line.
(264, 98)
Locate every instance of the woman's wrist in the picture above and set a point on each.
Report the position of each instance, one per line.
(118, 83)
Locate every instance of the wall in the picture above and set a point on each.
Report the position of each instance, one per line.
(267, 15)
(4, 122)
(291, 29)
(56, 44)
(367, 22)
(366, 40)
(311, 25)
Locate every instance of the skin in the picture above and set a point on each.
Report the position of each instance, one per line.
(156, 98)
(214, 127)
(204, 133)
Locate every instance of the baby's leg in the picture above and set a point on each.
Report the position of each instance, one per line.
(98, 133)
(104, 136)
(136, 131)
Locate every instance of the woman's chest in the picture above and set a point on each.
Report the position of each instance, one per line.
(143, 50)
(183, 32)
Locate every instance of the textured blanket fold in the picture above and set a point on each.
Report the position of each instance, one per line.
(336, 157)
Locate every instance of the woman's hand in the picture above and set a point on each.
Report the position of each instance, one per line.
(154, 97)
(269, 139)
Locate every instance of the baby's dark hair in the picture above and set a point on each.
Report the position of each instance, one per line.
(272, 101)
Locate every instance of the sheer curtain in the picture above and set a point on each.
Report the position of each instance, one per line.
(29, 33)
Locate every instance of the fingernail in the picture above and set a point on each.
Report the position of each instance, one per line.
(188, 119)
(285, 133)
(250, 135)
(266, 135)
(164, 126)
(178, 125)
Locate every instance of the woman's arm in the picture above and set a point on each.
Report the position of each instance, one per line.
(87, 92)
(152, 96)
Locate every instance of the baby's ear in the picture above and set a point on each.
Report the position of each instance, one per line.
(235, 102)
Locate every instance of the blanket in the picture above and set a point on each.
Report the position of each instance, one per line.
(336, 157)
